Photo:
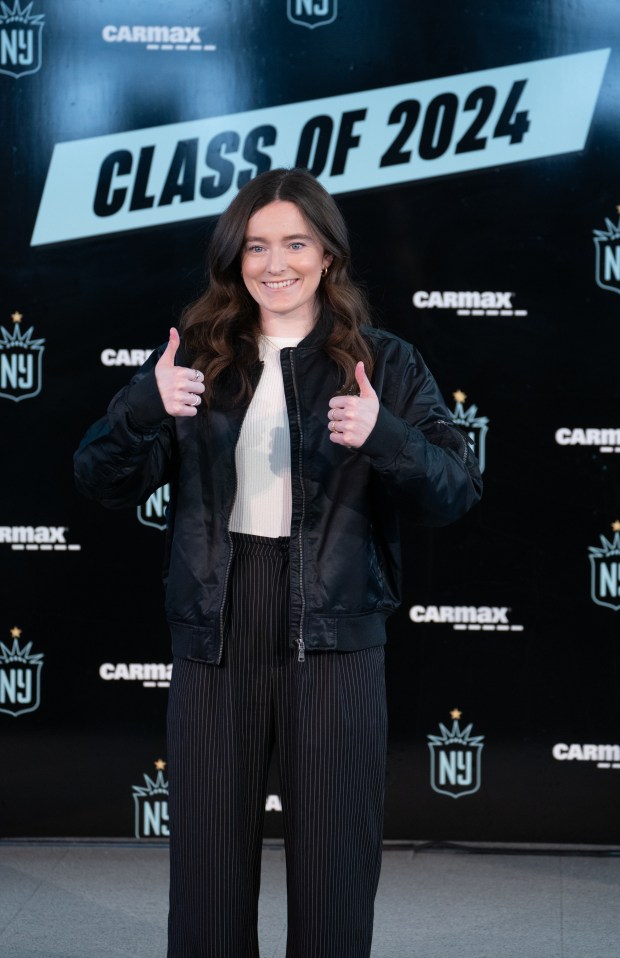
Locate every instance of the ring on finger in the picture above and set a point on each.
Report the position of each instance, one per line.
(197, 398)
(196, 375)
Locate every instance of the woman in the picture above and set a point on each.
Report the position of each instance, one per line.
(289, 430)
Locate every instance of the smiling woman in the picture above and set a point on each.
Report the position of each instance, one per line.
(289, 429)
(282, 265)
(282, 226)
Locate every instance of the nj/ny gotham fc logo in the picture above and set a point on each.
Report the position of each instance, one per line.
(311, 13)
(153, 511)
(151, 805)
(607, 245)
(20, 677)
(21, 361)
(605, 570)
(475, 426)
(20, 40)
(455, 759)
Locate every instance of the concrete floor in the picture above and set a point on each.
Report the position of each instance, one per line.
(108, 900)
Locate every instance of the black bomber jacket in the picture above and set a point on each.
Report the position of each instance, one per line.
(344, 546)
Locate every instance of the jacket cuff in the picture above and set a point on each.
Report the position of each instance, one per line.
(145, 408)
(386, 440)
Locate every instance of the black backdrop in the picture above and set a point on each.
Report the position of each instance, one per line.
(503, 663)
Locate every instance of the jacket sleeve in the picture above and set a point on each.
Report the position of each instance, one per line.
(421, 456)
(126, 456)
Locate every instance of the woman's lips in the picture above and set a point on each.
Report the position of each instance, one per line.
(279, 284)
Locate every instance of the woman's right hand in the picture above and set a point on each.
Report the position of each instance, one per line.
(179, 387)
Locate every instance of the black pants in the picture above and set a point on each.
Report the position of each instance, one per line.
(327, 719)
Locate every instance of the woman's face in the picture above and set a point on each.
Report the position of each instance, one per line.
(281, 267)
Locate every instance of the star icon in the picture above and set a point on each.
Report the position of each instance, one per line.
(16, 633)
(17, 316)
(616, 525)
(455, 714)
(459, 395)
(160, 764)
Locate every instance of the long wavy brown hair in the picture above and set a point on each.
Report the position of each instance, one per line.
(222, 327)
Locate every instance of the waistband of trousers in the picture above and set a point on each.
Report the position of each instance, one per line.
(245, 544)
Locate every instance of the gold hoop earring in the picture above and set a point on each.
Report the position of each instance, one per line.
(324, 272)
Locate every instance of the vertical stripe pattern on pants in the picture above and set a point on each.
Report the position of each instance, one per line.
(326, 718)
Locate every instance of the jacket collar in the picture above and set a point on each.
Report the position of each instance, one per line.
(319, 332)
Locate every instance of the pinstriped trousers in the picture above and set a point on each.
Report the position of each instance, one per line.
(326, 718)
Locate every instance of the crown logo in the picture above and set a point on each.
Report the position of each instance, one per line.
(605, 570)
(156, 786)
(607, 548)
(18, 15)
(607, 267)
(20, 676)
(10, 340)
(20, 39)
(19, 654)
(476, 426)
(151, 805)
(455, 758)
(21, 361)
(612, 232)
(455, 735)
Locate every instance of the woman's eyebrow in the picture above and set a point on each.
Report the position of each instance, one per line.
(261, 239)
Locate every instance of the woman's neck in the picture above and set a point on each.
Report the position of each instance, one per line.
(286, 326)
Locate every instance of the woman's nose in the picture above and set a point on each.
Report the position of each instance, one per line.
(277, 261)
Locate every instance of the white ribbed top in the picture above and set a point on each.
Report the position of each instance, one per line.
(263, 456)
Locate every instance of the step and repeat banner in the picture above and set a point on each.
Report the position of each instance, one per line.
(474, 152)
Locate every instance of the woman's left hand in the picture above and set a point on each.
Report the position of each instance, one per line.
(352, 418)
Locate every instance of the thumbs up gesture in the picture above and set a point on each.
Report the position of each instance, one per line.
(179, 387)
(351, 419)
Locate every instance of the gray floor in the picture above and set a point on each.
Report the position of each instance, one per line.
(109, 901)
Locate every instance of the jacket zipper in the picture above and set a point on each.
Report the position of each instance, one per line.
(301, 649)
